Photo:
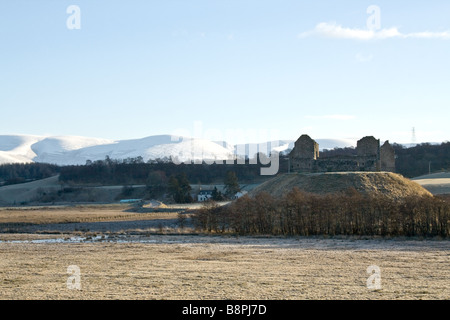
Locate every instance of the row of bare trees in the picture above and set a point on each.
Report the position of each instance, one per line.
(351, 213)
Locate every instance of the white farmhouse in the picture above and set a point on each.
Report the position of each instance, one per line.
(240, 194)
(204, 195)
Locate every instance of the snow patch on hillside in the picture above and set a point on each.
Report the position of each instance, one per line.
(17, 148)
(75, 150)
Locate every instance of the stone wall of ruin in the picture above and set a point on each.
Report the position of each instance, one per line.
(387, 157)
(370, 157)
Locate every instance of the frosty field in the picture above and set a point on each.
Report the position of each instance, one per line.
(210, 267)
(133, 256)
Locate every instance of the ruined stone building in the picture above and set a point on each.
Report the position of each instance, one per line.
(369, 157)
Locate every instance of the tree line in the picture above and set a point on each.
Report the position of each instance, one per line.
(419, 160)
(178, 188)
(410, 162)
(26, 172)
(350, 213)
(135, 171)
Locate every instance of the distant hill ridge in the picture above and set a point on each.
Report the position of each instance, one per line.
(75, 150)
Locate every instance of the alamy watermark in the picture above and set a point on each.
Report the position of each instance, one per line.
(374, 20)
(374, 280)
(74, 20)
(74, 280)
(265, 152)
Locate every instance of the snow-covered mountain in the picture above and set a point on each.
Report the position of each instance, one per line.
(69, 150)
(180, 149)
(250, 149)
(17, 148)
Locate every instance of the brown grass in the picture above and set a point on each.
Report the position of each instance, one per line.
(387, 183)
(212, 267)
(77, 214)
(435, 186)
(270, 269)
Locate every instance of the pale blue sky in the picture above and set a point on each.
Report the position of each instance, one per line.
(141, 68)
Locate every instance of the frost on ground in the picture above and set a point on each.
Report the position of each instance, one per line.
(209, 267)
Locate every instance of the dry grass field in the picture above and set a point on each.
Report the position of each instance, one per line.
(265, 269)
(436, 186)
(74, 214)
(187, 267)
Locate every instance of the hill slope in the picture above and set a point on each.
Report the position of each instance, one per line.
(436, 183)
(73, 150)
(25, 192)
(393, 185)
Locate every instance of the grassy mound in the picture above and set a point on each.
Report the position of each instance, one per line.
(390, 184)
